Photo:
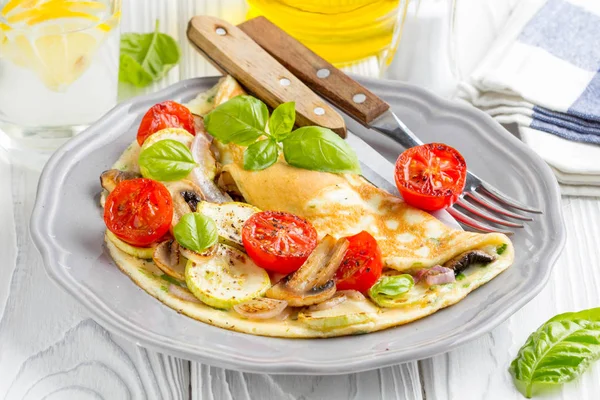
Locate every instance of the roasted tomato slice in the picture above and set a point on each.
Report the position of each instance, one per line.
(431, 176)
(167, 114)
(139, 211)
(278, 241)
(361, 266)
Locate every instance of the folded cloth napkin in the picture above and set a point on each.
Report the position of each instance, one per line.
(542, 73)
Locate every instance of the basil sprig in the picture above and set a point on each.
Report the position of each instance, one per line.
(196, 232)
(558, 352)
(166, 160)
(388, 290)
(243, 120)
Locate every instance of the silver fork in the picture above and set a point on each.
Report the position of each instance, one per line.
(478, 198)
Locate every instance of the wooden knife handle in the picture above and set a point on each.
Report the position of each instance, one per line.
(234, 52)
(322, 77)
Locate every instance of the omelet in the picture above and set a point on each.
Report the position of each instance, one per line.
(338, 205)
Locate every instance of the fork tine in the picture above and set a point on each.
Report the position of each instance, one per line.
(486, 203)
(473, 223)
(485, 215)
(502, 198)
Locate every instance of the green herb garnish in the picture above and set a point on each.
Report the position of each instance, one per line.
(501, 249)
(460, 277)
(166, 160)
(388, 290)
(261, 155)
(146, 57)
(196, 232)
(243, 121)
(558, 352)
(320, 149)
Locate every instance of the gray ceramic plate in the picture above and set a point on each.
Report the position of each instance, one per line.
(68, 230)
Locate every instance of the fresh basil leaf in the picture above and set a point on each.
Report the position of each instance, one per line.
(558, 352)
(241, 120)
(146, 57)
(196, 232)
(166, 160)
(282, 120)
(388, 290)
(260, 155)
(319, 149)
(501, 249)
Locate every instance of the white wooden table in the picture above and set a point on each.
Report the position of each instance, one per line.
(50, 347)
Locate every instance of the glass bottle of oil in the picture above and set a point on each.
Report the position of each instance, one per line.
(344, 32)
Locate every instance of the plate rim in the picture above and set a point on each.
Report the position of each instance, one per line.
(46, 200)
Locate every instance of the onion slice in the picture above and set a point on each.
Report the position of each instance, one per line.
(352, 294)
(330, 303)
(182, 294)
(261, 308)
(439, 275)
(201, 175)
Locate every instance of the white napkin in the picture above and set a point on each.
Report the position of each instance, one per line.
(542, 74)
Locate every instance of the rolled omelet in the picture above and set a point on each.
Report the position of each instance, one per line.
(338, 205)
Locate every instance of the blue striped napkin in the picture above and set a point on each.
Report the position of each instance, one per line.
(542, 73)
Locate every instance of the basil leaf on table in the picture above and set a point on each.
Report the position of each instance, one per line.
(196, 232)
(558, 352)
(260, 155)
(282, 120)
(389, 289)
(241, 120)
(166, 160)
(146, 57)
(319, 149)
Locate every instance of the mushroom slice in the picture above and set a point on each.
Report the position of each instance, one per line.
(196, 257)
(464, 260)
(111, 178)
(186, 196)
(312, 283)
(261, 308)
(167, 257)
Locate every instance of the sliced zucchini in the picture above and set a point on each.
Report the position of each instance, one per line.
(178, 134)
(226, 279)
(230, 218)
(350, 312)
(139, 252)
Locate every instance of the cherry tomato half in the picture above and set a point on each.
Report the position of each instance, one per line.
(278, 241)
(431, 176)
(167, 114)
(139, 211)
(361, 266)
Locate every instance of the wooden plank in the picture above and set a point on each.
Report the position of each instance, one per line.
(398, 382)
(478, 370)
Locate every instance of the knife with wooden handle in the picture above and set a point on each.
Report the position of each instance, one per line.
(233, 52)
(328, 81)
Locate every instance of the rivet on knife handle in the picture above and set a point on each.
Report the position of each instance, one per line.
(318, 74)
(237, 54)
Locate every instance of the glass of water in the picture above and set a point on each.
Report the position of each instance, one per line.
(59, 62)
